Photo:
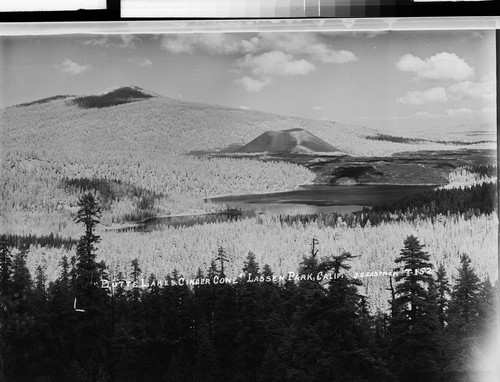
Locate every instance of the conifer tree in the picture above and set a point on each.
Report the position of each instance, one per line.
(463, 315)
(251, 338)
(206, 367)
(464, 298)
(414, 326)
(442, 292)
(487, 308)
(5, 266)
(135, 291)
(40, 290)
(87, 270)
(350, 352)
(92, 329)
(222, 258)
(21, 278)
(251, 267)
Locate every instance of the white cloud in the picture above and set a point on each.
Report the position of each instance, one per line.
(425, 114)
(251, 84)
(103, 41)
(441, 66)
(292, 43)
(127, 41)
(464, 90)
(326, 55)
(437, 94)
(305, 44)
(488, 110)
(211, 43)
(276, 63)
(144, 63)
(484, 90)
(459, 112)
(71, 67)
(178, 44)
(122, 41)
(263, 55)
(317, 108)
(244, 107)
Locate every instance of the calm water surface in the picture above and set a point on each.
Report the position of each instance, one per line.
(307, 199)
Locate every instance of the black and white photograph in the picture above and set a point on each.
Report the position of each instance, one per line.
(249, 206)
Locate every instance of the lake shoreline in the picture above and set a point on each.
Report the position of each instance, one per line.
(209, 198)
(310, 198)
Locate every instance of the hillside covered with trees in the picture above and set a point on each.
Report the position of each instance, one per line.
(397, 291)
(92, 325)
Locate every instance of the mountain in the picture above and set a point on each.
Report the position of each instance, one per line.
(136, 120)
(293, 141)
(133, 120)
(464, 132)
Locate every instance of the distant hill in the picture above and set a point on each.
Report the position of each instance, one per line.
(293, 141)
(472, 132)
(131, 119)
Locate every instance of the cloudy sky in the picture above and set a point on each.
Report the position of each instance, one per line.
(398, 80)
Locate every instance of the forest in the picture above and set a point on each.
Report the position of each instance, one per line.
(400, 291)
(448, 221)
(87, 326)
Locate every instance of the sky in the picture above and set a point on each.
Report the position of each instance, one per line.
(396, 81)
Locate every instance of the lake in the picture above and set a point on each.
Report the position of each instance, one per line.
(316, 198)
(307, 199)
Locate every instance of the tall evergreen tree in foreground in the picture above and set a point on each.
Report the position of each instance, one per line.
(5, 305)
(442, 292)
(87, 270)
(463, 329)
(5, 266)
(414, 326)
(92, 323)
(350, 352)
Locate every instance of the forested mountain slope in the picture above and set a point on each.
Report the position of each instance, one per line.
(154, 125)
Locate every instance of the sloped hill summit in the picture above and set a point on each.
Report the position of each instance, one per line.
(133, 119)
(292, 141)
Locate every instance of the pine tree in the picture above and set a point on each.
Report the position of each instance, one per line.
(414, 326)
(61, 313)
(21, 278)
(5, 266)
(350, 352)
(463, 314)
(250, 339)
(222, 257)
(487, 308)
(16, 321)
(464, 298)
(40, 282)
(87, 270)
(442, 290)
(251, 267)
(92, 329)
(135, 274)
(206, 367)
